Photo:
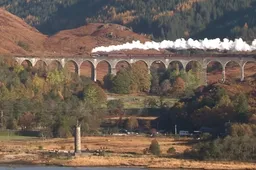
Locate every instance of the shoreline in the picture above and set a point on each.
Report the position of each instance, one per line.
(144, 162)
(120, 151)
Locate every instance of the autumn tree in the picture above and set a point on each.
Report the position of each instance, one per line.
(179, 86)
(132, 123)
(141, 77)
(26, 121)
(166, 87)
(94, 94)
(241, 107)
(56, 78)
(193, 80)
(131, 80)
(225, 101)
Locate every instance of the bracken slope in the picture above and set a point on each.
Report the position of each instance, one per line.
(18, 38)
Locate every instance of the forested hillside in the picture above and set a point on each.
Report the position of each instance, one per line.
(163, 19)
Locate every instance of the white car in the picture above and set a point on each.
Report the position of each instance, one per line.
(184, 133)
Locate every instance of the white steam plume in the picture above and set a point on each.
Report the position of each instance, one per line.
(238, 45)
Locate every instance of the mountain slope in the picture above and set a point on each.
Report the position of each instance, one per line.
(164, 19)
(82, 40)
(16, 37)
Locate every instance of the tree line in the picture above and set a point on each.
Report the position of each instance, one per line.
(239, 145)
(210, 106)
(174, 81)
(50, 101)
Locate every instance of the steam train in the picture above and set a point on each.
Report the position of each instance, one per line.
(123, 55)
(169, 53)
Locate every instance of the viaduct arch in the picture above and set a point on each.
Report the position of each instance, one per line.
(203, 61)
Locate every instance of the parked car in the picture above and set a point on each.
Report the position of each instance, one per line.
(124, 131)
(197, 135)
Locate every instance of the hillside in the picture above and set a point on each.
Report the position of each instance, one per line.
(18, 38)
(82, 40)
(162, 19)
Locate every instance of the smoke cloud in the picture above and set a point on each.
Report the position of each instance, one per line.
(238, 45)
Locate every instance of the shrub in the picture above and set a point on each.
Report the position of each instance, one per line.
(206, 136)
(115, 107)
(102, 153)
(40, 147)
(23, 45)
(154, 147)
(145, 151)
(63, 147)
(171, 150)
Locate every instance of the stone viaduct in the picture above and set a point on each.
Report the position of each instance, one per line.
(148, 59)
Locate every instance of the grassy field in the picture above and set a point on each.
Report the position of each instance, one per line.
(120, 144)
(15, 137)
(7, 135)
(121, 151)
(114, 144)
(137, 101)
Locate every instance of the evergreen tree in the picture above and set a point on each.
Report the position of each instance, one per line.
(122, 82)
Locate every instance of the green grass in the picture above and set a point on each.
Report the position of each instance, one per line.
(137, 102)
(16, 137)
